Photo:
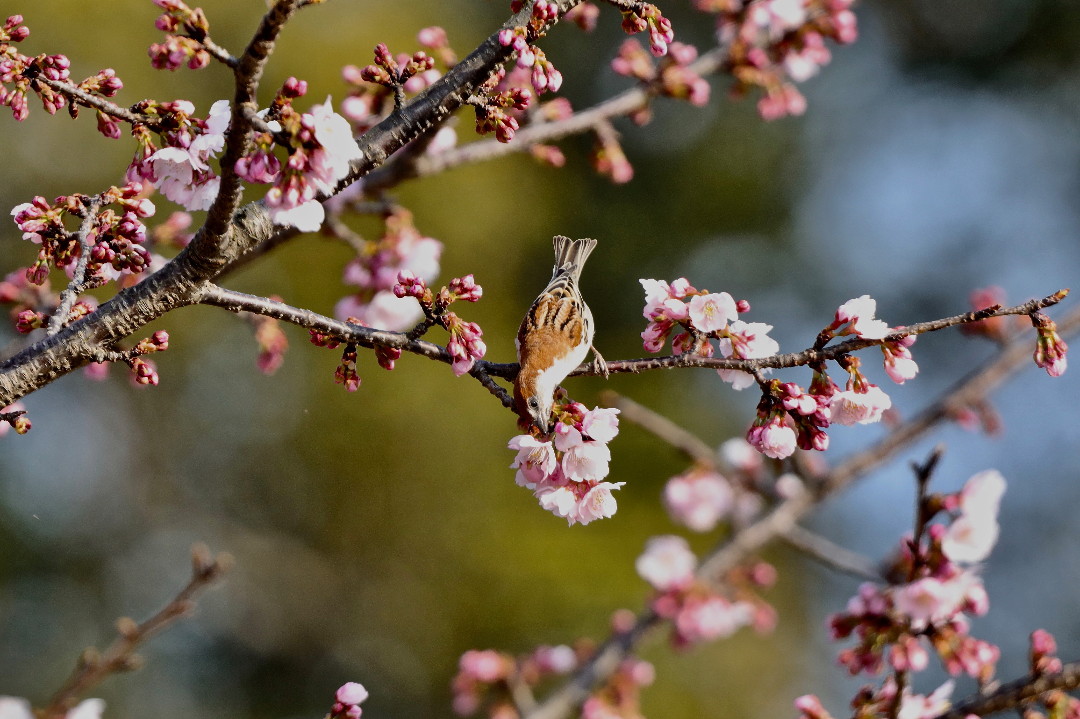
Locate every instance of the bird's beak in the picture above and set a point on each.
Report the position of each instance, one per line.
(541, 424)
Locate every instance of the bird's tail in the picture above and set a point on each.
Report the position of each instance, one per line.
(570, 256)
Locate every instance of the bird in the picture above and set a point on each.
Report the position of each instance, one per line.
(555, 336)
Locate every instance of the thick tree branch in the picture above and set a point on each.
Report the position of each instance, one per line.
(227, 237)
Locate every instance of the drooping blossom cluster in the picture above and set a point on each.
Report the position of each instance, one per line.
(375, 273)
(772, 44)
(144, 371)
(1050, 349)
(647, 17)
(465, 345)
(926, 609)
(347, 701)
(116, 235)
(184, 29)
(21, 75)
(698, 612)
(498, 105)
(566, 473)
(486, 677)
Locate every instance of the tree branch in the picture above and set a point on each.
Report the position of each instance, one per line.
(783, 518)
(1016, 693)
(94, 667)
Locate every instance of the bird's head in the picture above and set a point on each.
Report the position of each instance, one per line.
(534, 407)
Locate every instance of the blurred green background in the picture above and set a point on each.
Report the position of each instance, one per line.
(379, 534)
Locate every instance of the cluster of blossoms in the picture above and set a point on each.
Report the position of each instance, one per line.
(373, 89)
(772, 44)
(671, 78)
(702, 497)
(180, 168)
(899, 624)
(347, 701)
(647, 17)
(393, 73)
(375, 273)
(697, 612)
(115, 237)
(706, 316)
(788, 416)
(500, 102)
(486, 678)
(565, 473)
(465, 345)
(21, 74)
(319, 144)
(320, 147)
(180, 49)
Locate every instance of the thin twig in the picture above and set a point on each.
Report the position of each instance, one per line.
(77, 96)
(93, 666)
(830, 554)
(78, 279)
(660, 426)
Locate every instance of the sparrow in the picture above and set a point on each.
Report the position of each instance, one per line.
(555, 336)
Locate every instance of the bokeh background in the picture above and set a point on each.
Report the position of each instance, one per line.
(379, 534)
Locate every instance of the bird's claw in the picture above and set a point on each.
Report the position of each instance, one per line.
(599, 364)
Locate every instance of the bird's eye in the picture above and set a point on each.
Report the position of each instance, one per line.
(534, 403)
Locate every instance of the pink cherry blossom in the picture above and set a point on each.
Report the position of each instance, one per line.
(916, 706)
(699, 499)
(535, 461)
(586, 461)
(601, 424)
(746, 340)
(598, 502)
(982, 493)
(667, 563)
(859, 312)
(560, 501)
(714, 617)
(773, 439)
(712, 312)
(969, 539)
(852, 407)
